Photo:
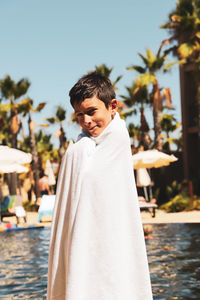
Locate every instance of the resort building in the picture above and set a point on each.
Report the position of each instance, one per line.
(190, 104)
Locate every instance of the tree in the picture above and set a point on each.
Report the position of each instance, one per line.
(169, 124)
(44, 146)
(138, 97)
(134, 134)
(106, 71)
(146, 78)
(12, 91)
(4, 125)
(27, 109)
(59, 118)
(184, 42)
(184, 28)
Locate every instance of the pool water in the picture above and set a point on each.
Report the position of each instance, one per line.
(23, 264)
(174, 259)
(173, 254)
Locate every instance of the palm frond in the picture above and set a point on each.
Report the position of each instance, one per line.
(21, 88)
(117, 80)
(145, 79)
(129, 113)
(145, 60)
(60, 114)
(40, 106)
(186, 49)
(150, 57)
(136, 68)
(169, 65)
(103, 70)
(25, 106)
(5, 107)
(51, 120)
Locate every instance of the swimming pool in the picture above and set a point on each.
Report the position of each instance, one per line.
(173, 254)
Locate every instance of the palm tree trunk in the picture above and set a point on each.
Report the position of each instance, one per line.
(62, 140)
(198, 107)
(35, 161)
(144, 128)
(157, 130)
(12, 182)
(157, 105)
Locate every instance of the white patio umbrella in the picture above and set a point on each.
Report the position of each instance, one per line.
(11, 161)
(11, 168)
(149, 159)
(11, 156)
(143, 180)
(142, 177)
(152, 159)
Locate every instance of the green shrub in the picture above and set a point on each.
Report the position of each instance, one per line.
(174, 189)
(180, 202)
(168, 192)
(176, 204)
(197, 204)
(30, 207)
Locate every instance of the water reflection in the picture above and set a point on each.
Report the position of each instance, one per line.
(173, 253)
(23, 264)
(174, 261)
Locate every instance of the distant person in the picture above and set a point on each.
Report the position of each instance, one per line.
(28, 185)
(97, 247)
(44, 185)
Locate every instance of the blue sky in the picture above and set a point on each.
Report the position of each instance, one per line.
(55, 42)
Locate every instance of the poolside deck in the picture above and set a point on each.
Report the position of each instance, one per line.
(161, 217)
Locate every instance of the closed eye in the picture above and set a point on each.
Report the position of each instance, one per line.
(79, 115)
(91, 112)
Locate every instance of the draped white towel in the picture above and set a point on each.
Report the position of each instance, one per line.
(97, 248)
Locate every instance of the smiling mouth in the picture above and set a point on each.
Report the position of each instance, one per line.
(90, 129)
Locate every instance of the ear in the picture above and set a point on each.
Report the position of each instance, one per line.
(114, 107)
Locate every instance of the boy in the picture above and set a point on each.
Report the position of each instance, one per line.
(97, 249)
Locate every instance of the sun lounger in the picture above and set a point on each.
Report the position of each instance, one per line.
(46, 206)
(5, 207)
(150, 206)
(12, 206)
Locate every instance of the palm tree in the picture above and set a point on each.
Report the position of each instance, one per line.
(134, 133)
(27, 109)
(4, 124)
(44, 146)
(106, 71)
(169, 124)
(184, 29)
(138, 96)
(59, 118)
(13, 91)
(147, 77)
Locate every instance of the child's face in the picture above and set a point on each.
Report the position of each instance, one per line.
(93, 116)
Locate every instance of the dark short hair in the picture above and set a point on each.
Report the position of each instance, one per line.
(90, 85)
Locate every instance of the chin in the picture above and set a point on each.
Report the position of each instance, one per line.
(95, 133)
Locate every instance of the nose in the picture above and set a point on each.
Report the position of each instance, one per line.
(86, 119)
